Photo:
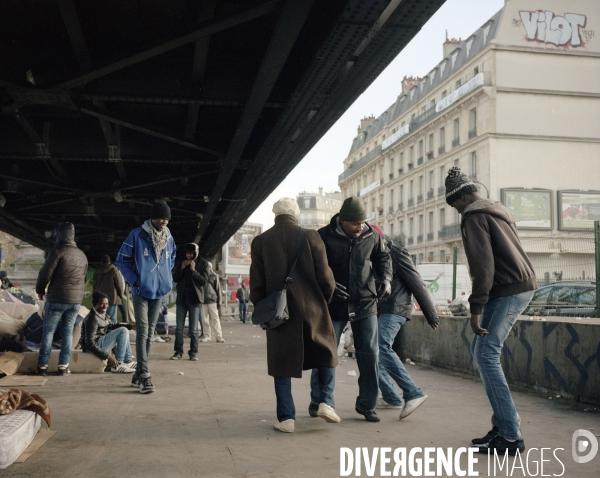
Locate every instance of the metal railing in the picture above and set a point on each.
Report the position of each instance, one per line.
(391, 176)
(429, 155)
(430, 194)
(420, 161)
(401, 171)
(400, 206)
(411, 240)
(410, 166)
(450, 231)
(419, 198)
(430, 236)
(472, 133)
(442, 149)
(411, 201)
(455, 142)
(366, 159)
(391, 209)
(441, 190)
(420, 238)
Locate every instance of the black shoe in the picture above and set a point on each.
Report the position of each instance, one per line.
(146, 385)
(43, 371)
(493, 433)
(177, 357)
(135, 380)
(193, 358)
(501, 445)
(64, 370)
(313, 408)
(369, 415)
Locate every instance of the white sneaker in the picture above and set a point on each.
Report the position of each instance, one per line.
(205, 339)
(220, 340)
(157, 338)
(411, 406)
(328, 414)
(381, 403)
(122, 368)
(286, 426)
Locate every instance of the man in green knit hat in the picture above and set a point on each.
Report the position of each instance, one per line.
(352, 246)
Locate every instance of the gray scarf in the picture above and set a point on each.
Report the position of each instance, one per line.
(159, 238)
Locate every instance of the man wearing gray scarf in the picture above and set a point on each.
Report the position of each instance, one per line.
(145, 260)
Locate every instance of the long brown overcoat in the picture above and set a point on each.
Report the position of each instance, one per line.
(307, 340)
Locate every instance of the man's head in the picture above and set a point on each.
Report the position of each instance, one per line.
(191, 251)
(3, 275)
(352, 217)
(243, 285)
(161, 215)
(460, 190)
(105, 260)
(64, 232)
(287, 206)
(100, 302)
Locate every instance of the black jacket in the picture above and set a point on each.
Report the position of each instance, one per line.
(243, 295)
(354, 262)
(212, 290)
(92, 328)
(187, 281)
(406, 283)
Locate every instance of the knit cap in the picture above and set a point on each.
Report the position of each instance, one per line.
(352, 210)
(161, 209)
(458, 184)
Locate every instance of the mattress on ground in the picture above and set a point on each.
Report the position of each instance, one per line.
(17, 431)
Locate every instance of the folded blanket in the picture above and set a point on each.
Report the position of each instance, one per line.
(14, 399)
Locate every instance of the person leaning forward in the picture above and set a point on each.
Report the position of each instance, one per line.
(306, 341)
(354, 253)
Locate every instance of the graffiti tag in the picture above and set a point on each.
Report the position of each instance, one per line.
(547, 28)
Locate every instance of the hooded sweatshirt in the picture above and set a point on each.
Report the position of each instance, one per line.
(498, 264)
(190, 283)
(107, 279)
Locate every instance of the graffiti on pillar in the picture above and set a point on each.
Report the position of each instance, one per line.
(547, 27)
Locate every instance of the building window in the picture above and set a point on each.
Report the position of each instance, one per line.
(420, 223)
(411, 190)
(430, 179)
(457, 162)
(306, 203)
(430, 148)
(420, 258)
(472, 123)
(442, 218)
(391, 230)
(442, 137)
(442, 255)
(411, 154)
(391, 167)
(476, 71)
(430, 229)
(401, 198)
(421, 149)
(391, 200)
(401, 229)
(456, 129)
(474, 165)
(411, 227)
(401, 166)
(442, 176)
(421, 185)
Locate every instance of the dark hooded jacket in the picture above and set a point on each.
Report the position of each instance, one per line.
(406, 282)
(498, 264)
(354, 263)
(190, 284)
(107, 279)
(93, 328)
(65, 268)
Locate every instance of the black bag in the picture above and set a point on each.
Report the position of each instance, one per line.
(272, 311)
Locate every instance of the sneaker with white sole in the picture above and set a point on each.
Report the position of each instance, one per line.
(64, 370)
(412, 405)
(220, 340)
(205, 339)
(381, 403)
(135, 381)
(327, 413)
(177, 357)
(286, 426)
(122, 367)
(146, 385)
(157, 338)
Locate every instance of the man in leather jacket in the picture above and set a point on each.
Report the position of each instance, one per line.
(65, 269)
(394, 311)
(354, 253)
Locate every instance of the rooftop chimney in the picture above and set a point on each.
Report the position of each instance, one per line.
(408, 82)
(450, 44)
(321, 191)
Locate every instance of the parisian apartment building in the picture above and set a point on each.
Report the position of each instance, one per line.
(317, 209)
(516, 106)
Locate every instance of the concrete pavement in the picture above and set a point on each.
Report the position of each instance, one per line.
(217, 420)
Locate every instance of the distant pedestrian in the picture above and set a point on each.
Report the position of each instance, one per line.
(503, 285)
(243, 296)
(5, 282)
(191, 275)
(65, 269)
(211, 307)
(146, 259)
(306, 341)
(393, 312)
(108, 280)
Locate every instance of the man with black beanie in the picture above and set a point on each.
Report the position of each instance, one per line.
(503, 284)
(146, 259)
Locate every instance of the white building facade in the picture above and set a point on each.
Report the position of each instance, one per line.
(317, 209)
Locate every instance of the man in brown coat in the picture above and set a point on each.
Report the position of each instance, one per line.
(307, 339)
(107, 279)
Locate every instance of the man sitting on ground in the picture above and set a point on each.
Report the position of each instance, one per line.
(99, 335)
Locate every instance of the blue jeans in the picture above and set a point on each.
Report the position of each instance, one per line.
(367, 358)
(283, 391)
(194, 313)
(120, 338)
(112, 312)
(498, 317)
(390, 365)
(146, 316)
(243, 311)
(65, 314)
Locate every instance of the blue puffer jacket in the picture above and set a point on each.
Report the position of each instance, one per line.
(137, 262)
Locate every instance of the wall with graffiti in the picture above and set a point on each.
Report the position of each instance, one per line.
(545, 355)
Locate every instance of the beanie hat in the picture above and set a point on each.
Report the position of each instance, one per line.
(352, 210)
(105, 259)
(286, 206)
(375, 227)
(457, 185)
(161, 209)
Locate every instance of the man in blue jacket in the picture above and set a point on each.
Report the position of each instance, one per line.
(145, 260)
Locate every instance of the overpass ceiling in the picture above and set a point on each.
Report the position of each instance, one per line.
(110, 104)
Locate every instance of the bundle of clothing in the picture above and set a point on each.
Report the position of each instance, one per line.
(14, 399)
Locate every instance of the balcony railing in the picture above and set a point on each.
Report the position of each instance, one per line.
(430, 193)
(411, 201)
(429, 155)
(366, 159)
(391, 176)
(420, 161)
(420, 238)
(400, 206)
(441, 190)
(410, 166)
(455, 142)
(419, 198)
(442, 149)
(391, 209)
(411, 240)
(380, 212)
(450, 231)
(430, 236)
(401, 171)
(472, 133)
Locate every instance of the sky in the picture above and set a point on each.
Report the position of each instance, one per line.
(324, 163)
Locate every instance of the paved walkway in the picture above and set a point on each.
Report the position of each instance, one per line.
(217, 420)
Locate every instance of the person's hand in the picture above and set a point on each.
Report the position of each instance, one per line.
(112, 361)
(184, 264)
(435, 325)
(475, 327)
(41, 296)
(384, 289)
(340, 291)
(192, 265)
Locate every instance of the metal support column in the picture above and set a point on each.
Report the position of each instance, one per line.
(454, 262)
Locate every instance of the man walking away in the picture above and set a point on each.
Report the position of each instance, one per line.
(503, 285)
(354, 253)
(191, 275)
(307, 340)
(65, 269)
(211, 307)
(108, 280)
(393, 312)
(243, 296)
(146, 259)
